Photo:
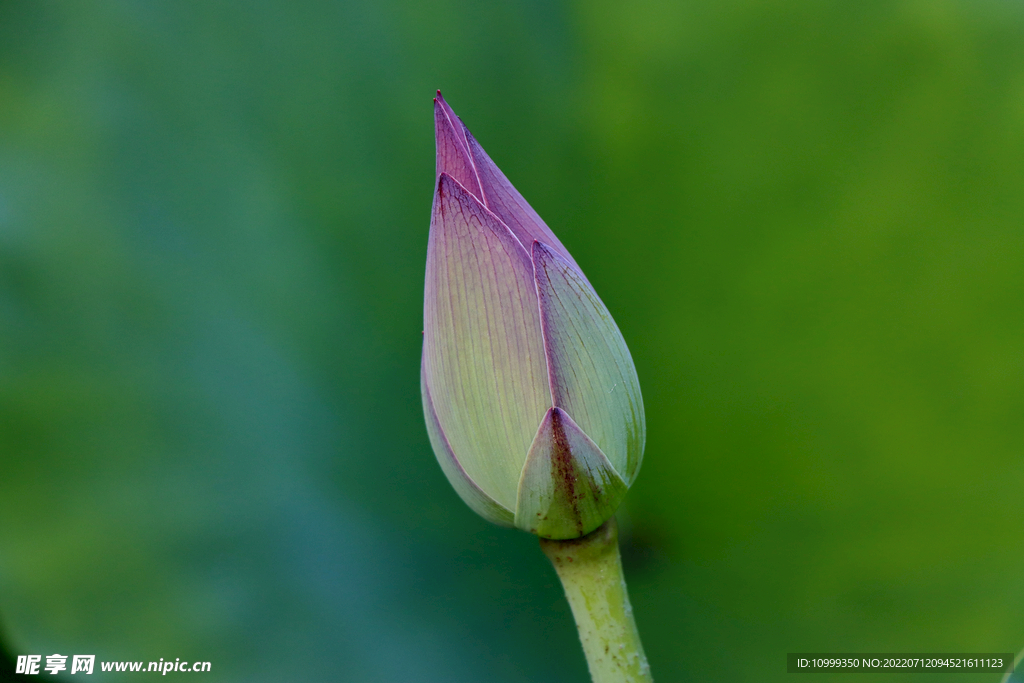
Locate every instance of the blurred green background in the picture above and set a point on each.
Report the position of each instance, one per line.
(806, 218)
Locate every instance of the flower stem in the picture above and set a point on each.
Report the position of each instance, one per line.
(591, 573)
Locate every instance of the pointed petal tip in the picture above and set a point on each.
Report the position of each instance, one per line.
(439, 101)
(541, 251)
(446, 184)
(453, 154)
(567, 487)
(450, 188)
(453, 198)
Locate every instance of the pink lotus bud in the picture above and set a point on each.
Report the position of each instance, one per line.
(531, 399)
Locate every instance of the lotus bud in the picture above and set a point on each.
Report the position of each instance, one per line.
(531, 399)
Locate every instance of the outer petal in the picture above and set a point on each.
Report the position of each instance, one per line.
(482, 504)
(591, 372)
(568, 487)
(483, 353)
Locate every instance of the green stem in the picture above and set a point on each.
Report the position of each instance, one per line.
(591, 573)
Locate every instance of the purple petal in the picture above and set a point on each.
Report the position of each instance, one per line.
(483, 354)
(453, 155)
